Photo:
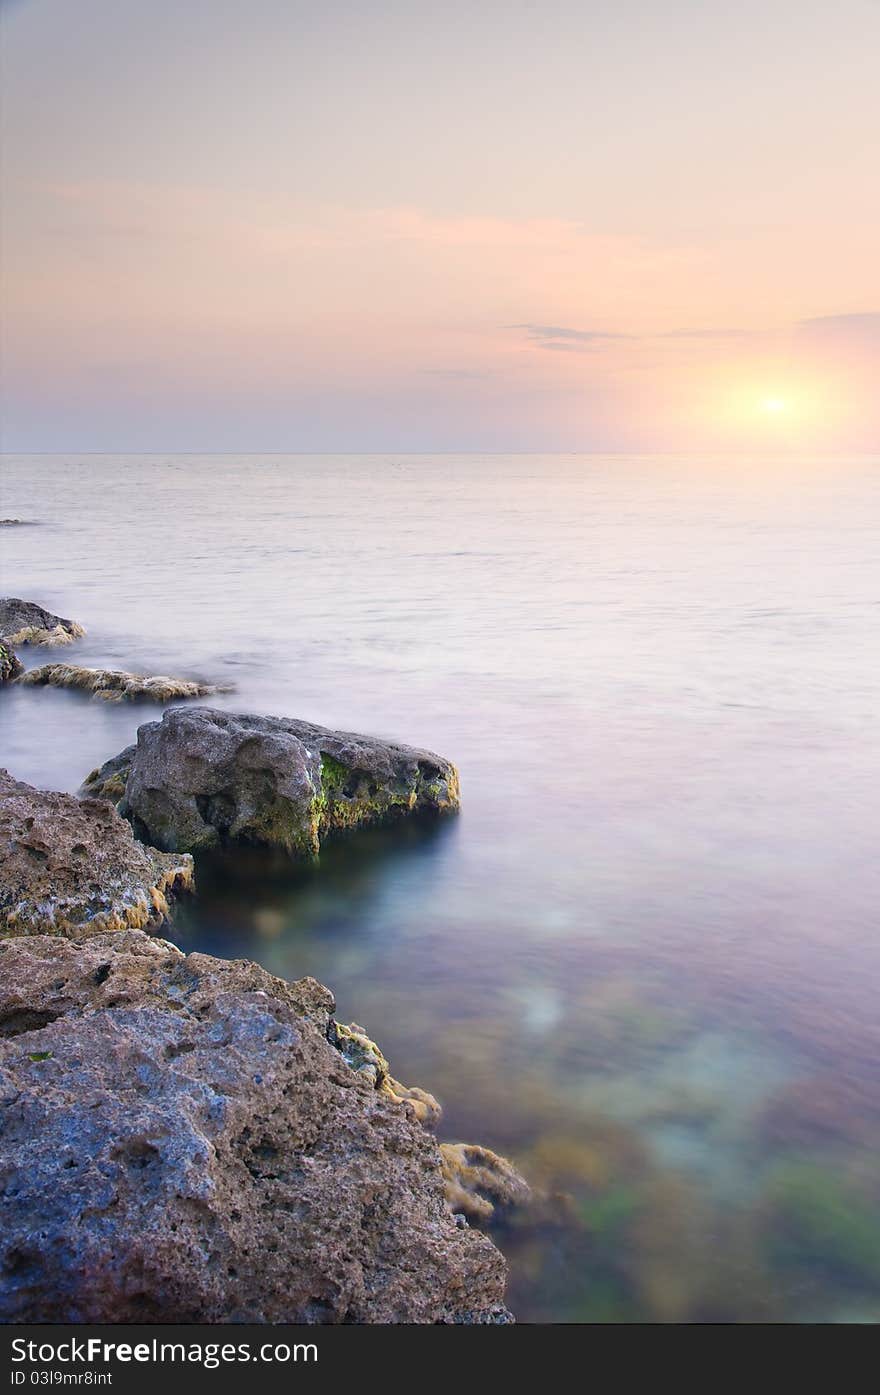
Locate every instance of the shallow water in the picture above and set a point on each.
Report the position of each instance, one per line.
(643, 962)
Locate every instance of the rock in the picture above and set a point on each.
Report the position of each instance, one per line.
(24, 622)
(182, 1142)
(9, 665)
(364, 1056)
(478, 1182)
(200, 778)
(73, 867)
(108, 781)
(115, 685)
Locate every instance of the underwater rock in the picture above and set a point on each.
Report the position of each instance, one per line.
(184, 1142)
(10, 667)
(200, 778)
(478, 1182)
(73, 867)
(25, 622)
(115, 685)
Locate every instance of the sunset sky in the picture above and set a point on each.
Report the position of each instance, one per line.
(617, 225)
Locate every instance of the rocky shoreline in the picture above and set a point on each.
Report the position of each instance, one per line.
(26, 623)
(183, 1141)
(191, 1139)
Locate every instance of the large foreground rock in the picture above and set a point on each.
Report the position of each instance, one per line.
(183, 1142)
(201, 777)
(73, 867)
(25, 622)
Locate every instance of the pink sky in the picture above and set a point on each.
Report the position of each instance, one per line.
(425, 227)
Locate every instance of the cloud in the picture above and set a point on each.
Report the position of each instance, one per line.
(860, 329)
(562, 339)
(856, 331)
(468, 373)
(565, 340)
(708, 334)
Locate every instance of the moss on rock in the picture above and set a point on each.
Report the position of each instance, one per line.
(202, 778)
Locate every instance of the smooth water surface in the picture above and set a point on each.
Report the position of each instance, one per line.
(644, 961)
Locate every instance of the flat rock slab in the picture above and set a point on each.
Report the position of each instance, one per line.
(183, 1142)
(202, 778)
(116, 685)
(25, 622)
(73, 867)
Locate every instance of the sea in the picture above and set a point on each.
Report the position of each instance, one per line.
(644, 961)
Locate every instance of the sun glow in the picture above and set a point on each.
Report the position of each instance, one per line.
(803, 410)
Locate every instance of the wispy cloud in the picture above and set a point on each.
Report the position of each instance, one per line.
(861, 328)
(563, 339)
(709, 333)
(466, 373)
(858, 330)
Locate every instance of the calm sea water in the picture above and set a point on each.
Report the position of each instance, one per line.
(645, 961)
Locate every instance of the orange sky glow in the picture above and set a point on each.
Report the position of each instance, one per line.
(427, 227)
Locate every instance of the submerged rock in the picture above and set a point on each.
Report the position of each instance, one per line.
(115, 685)
(73, 867)
(9, 664)
(200, 778)
(25, 622)
(184, 1142)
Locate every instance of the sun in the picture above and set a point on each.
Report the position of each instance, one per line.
(772, 405)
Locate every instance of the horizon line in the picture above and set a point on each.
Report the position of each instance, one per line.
(653, 454)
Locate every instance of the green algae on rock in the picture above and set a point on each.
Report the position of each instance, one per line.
(73, 867)
(202, 778)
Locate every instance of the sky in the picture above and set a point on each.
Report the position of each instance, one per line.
(612, 225)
